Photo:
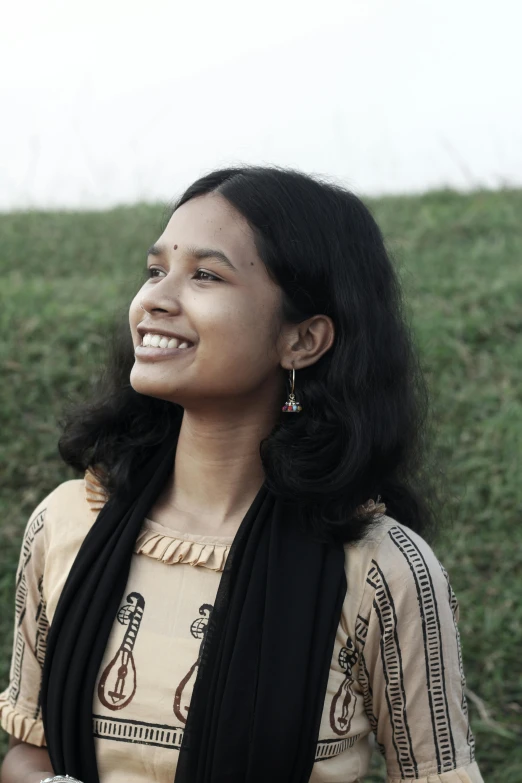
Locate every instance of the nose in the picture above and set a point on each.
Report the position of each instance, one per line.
(153, 301)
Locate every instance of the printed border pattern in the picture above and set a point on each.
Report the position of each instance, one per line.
(163, 736)
(391, 657)
(327, 749)
(34, 527)
(464, 705)
(433, 652)
(137, 732)
(361, 634)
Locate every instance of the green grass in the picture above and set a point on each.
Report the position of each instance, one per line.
(64, 276)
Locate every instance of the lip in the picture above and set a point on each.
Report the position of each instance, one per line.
(147, 354)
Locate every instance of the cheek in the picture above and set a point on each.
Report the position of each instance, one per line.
(239, 353)
(247, 313)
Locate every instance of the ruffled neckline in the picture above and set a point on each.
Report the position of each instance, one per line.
(171, 546)
(165, 544)
(175, 546)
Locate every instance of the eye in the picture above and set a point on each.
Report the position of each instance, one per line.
(150, 270)
(208, 276)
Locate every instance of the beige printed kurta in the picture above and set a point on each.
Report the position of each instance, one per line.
(396, 679)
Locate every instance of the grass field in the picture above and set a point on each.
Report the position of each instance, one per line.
(65, 275)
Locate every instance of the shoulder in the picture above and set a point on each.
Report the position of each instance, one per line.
(65, 510)
(65, 516)
(61, 502)
(53, 533)
(392, 565)
(62, 517)
(71, 491)
(395, 552)
(403, 556)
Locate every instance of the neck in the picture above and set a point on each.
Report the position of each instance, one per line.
(217, 469)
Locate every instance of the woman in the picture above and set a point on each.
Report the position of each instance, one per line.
(240, 587)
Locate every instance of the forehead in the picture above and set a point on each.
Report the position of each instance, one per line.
(211, 221)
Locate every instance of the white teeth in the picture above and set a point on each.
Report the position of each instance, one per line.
(161, 341)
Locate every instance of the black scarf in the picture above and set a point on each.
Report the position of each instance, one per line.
(256, 707)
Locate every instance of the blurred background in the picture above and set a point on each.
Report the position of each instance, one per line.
(110, 109)
(108, 102)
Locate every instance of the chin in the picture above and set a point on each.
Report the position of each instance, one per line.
(145, 383)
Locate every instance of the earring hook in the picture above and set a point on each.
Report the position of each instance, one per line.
(292, 405)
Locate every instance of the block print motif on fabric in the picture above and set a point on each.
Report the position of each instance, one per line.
(433, 650)
(361, 633)
(454, 604)
(118, 682)
(198, 629)
(343, 704)
(391, 657)
(40, 642)
(33, 529)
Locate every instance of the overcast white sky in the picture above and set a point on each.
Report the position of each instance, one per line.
(113, 101)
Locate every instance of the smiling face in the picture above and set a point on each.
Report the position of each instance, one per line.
(230, 312)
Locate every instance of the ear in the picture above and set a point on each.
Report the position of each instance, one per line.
(303, 344)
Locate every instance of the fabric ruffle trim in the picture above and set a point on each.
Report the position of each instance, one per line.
(169, 549)
(19, 725)
(371, 505)
(94, 492)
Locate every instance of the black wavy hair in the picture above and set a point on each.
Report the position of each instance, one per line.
(364, 429)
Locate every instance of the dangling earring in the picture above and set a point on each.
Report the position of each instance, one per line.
(292, 406)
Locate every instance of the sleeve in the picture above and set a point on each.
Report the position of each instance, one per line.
(20, 711)
(411, 668)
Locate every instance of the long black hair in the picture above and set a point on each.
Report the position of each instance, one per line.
(364, 430)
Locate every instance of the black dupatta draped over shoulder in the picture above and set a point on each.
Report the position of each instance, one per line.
(257, 702)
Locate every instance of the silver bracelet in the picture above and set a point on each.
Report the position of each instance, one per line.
(61, 779)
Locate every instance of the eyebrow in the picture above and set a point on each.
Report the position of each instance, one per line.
(196, 252)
